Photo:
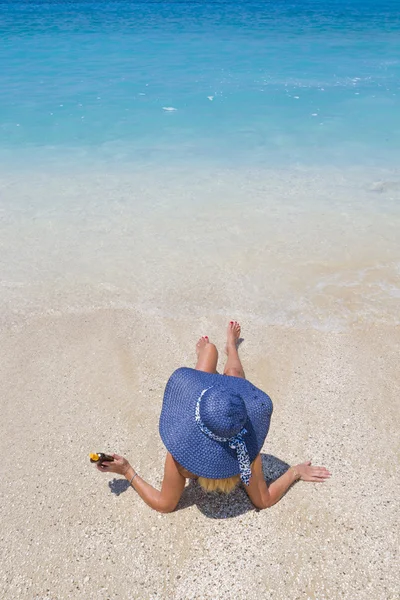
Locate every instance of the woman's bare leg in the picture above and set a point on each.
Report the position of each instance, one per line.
(207, 355)
(233, 365)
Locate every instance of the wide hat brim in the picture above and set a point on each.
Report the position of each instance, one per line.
(182, 436)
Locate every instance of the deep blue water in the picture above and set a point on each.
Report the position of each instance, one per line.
(268, 82)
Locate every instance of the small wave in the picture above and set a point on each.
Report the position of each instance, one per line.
(385, 186)
(169, 108)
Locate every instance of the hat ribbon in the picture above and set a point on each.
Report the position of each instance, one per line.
(236, 443)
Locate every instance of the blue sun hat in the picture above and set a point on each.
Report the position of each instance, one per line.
(214, 425)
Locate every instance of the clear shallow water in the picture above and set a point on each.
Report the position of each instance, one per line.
(265, 83)
(303, 249)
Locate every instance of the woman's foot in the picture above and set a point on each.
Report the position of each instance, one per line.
(233, 365)
(203, 341)
(232, 336)
(207, 355)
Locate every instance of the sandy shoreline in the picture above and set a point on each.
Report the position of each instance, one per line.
(107, 281)
(76, 383)
(309, 248)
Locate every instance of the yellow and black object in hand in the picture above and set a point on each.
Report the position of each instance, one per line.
(100, 457)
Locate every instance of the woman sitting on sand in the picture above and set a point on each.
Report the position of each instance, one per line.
(214, 427)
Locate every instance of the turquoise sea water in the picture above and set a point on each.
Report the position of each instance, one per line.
(150, 151)
(265, 83)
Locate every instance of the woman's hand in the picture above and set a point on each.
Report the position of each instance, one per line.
(119, 465)
(309, 473)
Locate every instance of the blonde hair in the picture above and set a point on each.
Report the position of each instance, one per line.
(219, 485)
(226, 486)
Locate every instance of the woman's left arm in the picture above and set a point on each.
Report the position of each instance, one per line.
(164, 501)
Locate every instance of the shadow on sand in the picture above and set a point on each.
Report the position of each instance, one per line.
(217, 505)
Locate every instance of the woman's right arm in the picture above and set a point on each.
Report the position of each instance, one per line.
(164, 500)
(263, 496)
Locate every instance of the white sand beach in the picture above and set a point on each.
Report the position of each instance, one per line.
(104, 296)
